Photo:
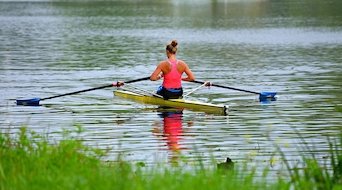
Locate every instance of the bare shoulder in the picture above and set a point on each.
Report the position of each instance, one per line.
(162, 64)
(182, 63)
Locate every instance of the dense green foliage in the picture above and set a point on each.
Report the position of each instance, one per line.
(30, 161)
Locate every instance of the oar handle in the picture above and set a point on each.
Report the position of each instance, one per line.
(227, 87)
(137, 80)
(96, 88)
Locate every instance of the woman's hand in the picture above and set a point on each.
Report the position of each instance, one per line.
(118, 84)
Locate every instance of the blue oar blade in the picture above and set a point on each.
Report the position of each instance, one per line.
(28, 102)
(267, 96)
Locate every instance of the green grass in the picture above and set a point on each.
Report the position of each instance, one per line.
(29, 161)
(318, 176)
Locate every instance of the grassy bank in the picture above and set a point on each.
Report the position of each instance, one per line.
(29, 161)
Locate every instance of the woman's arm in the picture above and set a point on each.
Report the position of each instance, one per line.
(157, 73)
(188, 72)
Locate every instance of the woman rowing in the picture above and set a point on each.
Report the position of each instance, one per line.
(171, 70)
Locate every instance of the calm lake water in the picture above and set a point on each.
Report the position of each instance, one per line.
(292, 47)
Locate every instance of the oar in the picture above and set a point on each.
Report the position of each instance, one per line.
(35, 101)
(262, 95)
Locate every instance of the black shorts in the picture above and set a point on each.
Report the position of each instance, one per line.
(170, 93)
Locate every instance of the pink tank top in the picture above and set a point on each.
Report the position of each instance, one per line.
(173, 79)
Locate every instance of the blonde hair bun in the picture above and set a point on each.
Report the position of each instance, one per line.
(172, 47)
(174, 43)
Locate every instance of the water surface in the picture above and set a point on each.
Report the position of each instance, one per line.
(294, 48)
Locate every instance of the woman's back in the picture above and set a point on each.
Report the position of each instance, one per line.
(173, 75)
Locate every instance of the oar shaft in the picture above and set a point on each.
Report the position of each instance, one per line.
(227, 87)
(80, 91)
(96, 88)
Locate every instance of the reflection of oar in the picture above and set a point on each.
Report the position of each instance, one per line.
(35, 101)
(262, 95)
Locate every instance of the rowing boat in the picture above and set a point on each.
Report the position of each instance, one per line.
(175, 103)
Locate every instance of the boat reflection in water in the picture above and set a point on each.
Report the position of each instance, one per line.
(171, 131)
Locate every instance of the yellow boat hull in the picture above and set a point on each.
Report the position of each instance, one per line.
(175, 103)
